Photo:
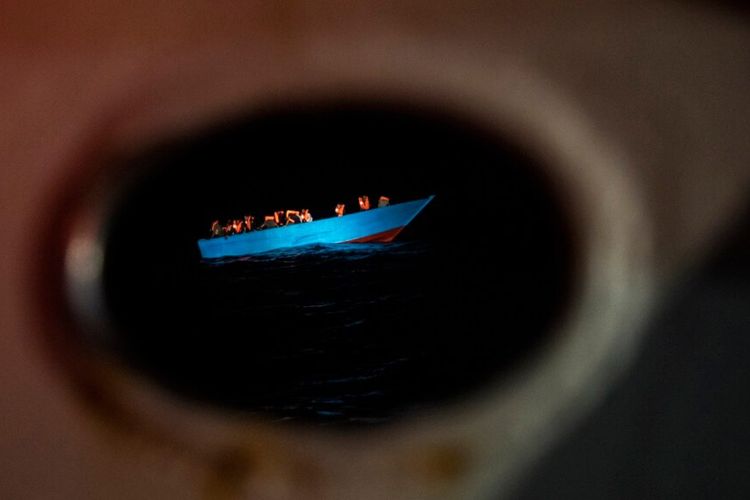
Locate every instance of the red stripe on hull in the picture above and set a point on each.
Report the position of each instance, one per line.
(384, 237)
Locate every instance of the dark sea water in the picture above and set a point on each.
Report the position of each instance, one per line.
(338, 325)
(352, 334)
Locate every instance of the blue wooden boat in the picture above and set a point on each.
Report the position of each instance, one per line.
(376, 225)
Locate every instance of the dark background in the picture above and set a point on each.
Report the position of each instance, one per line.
(451, 311)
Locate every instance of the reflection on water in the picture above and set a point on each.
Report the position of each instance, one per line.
(324, 252)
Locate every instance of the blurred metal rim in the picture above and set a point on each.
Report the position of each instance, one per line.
(485, 440)
(480, 447)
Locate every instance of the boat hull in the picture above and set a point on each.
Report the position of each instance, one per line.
(376, 225)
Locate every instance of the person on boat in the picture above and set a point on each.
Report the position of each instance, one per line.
(278, 216)
(228, 228)
(340, 209)
(269, 221)
(216, 229)
(249, 219)
(306, 216)
(383, 201)
(237, 226)
(293, 217)
(364, 203)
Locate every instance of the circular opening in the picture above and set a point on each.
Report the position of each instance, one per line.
(350, 329)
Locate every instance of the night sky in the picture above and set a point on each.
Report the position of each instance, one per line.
(319, 157)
